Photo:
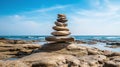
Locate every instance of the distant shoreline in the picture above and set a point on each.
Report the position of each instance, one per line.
(50, 35)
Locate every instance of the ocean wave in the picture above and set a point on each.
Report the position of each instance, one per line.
(76, 37)
(113, 37)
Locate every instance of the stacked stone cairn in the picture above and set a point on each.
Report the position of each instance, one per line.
(61, 33)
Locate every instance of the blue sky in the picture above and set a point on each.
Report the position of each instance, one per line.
(36, 17)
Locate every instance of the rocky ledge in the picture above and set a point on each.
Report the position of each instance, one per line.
(8, 41)
(68, 55)
(16, 48)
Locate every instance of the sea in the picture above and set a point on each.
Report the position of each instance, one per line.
(99, 45)
(111, 38)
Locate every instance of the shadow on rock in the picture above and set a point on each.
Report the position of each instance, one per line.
(54, 46)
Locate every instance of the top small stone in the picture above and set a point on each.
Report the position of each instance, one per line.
(62, 18)
(61, 15)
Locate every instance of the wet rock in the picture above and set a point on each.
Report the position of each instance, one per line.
(113, 46)
(80, 42)
(114, 43)
(85, 42)
(91, 42)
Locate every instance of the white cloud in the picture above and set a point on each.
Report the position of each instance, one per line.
(29, 23)
(95, 3)
(103, 21)
(19, 25)
(52, 8)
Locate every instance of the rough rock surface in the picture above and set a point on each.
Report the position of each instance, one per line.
(15, 50)
(70, 56)
(8, 41)
(9, 63)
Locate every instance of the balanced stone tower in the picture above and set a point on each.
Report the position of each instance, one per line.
(61, 33)
(60, 37)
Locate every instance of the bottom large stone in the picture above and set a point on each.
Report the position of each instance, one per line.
(60, 39)
(55, 46)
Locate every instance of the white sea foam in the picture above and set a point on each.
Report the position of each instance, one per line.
(102, 46)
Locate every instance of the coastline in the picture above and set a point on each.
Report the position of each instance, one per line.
(77, 54)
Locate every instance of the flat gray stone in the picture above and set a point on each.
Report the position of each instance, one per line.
(60, 28)
(60, 39)
(61, 33)
(62, 20)
(61, 24)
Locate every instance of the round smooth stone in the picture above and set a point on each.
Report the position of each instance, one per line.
(60, 39)
(61, 17)
(62, 20)
(60, 33)
(60, 28)
(60, 24)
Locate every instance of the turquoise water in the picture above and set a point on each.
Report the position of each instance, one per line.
(113, 38)
(102, 46)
